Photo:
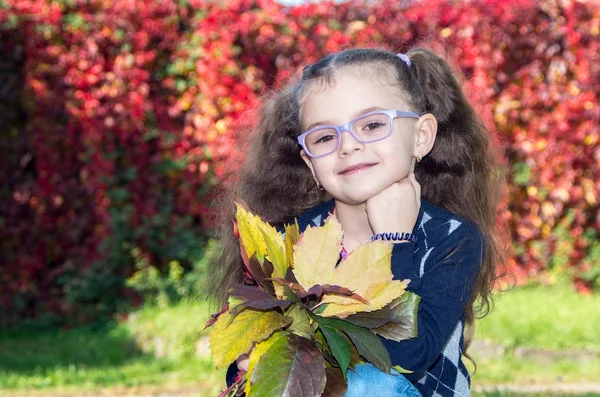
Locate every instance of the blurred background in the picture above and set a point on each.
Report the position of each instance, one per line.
(119, 127)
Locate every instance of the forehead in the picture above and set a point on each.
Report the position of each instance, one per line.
(346, 93)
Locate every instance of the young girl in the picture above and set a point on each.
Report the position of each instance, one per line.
(343, 141)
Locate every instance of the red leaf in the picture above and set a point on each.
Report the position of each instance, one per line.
(255, 298)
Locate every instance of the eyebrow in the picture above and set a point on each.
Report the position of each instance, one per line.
(359, 113)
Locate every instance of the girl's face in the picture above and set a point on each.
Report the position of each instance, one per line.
(358, 171)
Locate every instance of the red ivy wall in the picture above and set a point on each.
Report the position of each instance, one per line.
(127, 115)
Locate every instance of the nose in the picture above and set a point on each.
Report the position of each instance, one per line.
(348, 143)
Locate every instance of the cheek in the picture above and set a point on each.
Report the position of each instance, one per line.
(321, 167)
(397, 161)
(399, 151)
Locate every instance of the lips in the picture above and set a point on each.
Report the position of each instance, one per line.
(356, 168)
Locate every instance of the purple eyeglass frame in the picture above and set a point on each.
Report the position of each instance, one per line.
(393, 114)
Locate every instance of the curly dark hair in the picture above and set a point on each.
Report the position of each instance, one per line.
(461, 168)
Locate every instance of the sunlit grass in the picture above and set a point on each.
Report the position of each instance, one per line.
(552, 317)
(509, 369)
(119, 355)
(155, 348)
(548, 318)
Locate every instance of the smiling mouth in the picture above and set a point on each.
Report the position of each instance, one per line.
(357, 168)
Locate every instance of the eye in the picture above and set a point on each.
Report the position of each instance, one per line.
(322, 136)
(325, 138)
(373, 125)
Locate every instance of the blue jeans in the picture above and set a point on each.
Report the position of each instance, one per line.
(368, 380)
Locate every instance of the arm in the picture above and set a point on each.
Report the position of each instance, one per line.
(445, 288)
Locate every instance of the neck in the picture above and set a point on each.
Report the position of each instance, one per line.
(355, 224)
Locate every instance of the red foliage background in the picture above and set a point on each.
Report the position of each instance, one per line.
(119, 117)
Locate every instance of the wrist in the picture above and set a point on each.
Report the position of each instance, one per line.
(395, 237)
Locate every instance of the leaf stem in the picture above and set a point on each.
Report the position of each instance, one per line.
(235, 386)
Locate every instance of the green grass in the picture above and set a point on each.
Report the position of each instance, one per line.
(551, 317)
(135, 372)
(155, 348)
(509, 369)
(120, 355)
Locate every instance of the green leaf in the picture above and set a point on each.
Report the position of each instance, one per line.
(302, 324)
(230, 338)
(396, 321)
(366, 342)
(232, 304)
(293, 366)
(338, 346)
(403, 324)
(289, 294)
(321, 308)
(256, 354)
(371, 320)
(320, 339)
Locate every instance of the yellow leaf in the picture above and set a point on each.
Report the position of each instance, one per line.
(317, 253)
(251, 236)
(368, 264)
(367, 272)
(340, 306)
(230, 339)
(260, 349)
(275, 249)
(292, 234)
(260, 238)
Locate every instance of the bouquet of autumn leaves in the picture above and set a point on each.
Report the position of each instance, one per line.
(309, 317)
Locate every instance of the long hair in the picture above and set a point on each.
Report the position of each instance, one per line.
(461, 168)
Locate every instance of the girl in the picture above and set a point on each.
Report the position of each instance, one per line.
(343, 140)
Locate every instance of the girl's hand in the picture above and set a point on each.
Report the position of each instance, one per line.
(242, 362)
(396, 208)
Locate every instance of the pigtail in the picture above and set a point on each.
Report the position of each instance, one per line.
(461, 142)
(462, 172)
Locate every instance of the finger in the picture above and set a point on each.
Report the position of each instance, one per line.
(243, 362)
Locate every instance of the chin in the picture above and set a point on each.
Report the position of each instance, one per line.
(359, 197)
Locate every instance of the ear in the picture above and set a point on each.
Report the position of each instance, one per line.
(308, 162)
(425, 133)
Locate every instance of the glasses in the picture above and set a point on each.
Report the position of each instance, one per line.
(370, 127)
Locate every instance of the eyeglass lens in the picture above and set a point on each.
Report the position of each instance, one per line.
(365, 129)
